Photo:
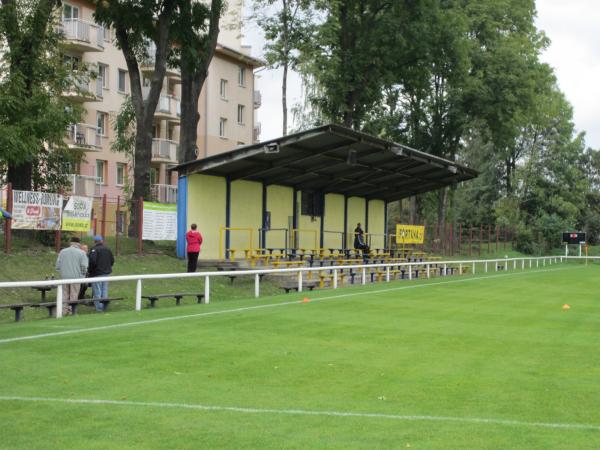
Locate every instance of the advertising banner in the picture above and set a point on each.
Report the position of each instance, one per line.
(160, 222)
(36, 210)
(410, 234)
(77, 215)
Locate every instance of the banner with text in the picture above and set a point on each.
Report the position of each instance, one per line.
(160, 222)
(410, 234)
(36, 210)
(77, 215)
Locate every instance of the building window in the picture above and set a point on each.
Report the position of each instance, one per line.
(121, 174)
(101, 118)
(121, 218)
(222, 127)
(242, 76)
(122, 81)
(103, 75)
(223, 89)
(70, 12)
(240, 114)
(101, 171)
(106, 33)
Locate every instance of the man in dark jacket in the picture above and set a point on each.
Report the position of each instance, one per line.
(101, 262)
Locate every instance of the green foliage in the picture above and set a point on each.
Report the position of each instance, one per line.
(34, 112)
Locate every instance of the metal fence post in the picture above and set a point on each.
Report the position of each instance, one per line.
(335, 279)
(387, 274)
(410, 271)
(207, 289)
(103, 217)
(256, 285)
(138, 295)
(445, 269)
(59, 301)
(300, 281)
(428, 271)
(140, 222)
(364, 276)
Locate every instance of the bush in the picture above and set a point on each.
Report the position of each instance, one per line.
(524, 240)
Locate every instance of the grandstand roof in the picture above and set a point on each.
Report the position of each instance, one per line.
(335, 159)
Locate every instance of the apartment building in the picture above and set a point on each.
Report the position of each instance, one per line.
(227, 104)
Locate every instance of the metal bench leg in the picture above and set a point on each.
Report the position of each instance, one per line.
(177, 300)
(18, 314)
(199, 297)
(73, 308)
(105, 305)
(152, 301)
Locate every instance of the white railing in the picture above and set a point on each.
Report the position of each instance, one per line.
(84, 185)
(84, 135)
(167, 104)
(505, 264)
(256, 132)
(257, 97)
(80, 30)
(164, 193)
(164, 149)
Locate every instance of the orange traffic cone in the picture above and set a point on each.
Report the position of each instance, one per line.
(566, 307)
(305, 300)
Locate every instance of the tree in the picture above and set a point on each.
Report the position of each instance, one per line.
(34, 113)
(350, 56)
(144, 32)
(288, 26)
(196, 38)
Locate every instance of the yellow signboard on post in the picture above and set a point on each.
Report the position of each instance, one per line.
(410, 234)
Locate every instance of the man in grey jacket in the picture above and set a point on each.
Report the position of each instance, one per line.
(72, 262)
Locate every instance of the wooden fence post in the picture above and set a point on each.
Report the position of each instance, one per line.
(8, 222)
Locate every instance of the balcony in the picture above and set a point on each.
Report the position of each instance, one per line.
(164, 150)
(83, 36)
(84, 137)
(84, 89)
(168, 107)
(147, 64)
(257, 99)
(84, 185)
(256, 132)
(163, 193)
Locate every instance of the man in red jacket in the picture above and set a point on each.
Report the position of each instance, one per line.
(194, 240)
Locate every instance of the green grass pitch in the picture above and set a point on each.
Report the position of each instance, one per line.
(490, 361)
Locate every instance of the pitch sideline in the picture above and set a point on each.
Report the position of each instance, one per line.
(304, 412)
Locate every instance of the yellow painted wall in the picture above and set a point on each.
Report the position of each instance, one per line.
(206, 208)
(334, 220)
(356, 214)
(376, 225)
(310, 228)
(246, 212)
(280, 201)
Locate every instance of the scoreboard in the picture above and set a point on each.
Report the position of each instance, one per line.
(576, 238)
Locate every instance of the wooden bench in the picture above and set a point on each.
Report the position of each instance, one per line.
(17, 308)
(310, 285)
(51, 306)
(154, 298)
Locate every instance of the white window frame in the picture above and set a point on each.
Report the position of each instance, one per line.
(101, 175)
(222, 127)
(106, 33)
(123, 167)
(241, 113)
(242, 76)
(73, 8)
(105, 77)
(124, 72)
(101, 130)
(223, 89)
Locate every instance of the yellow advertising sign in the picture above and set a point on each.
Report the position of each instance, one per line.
(410, 234)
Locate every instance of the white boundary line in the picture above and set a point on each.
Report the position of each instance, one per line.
(269, 305)
(304, 412)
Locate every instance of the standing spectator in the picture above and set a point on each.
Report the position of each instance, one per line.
(194, 240)
(72, 262)
(101, 262)
(359, 240)
(84, 286)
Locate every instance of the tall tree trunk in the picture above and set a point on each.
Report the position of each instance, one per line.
(284, 98)
(194, 71)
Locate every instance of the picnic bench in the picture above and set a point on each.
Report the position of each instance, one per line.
(310, 285)
(178, 296)
(17, 308)
(51, 306)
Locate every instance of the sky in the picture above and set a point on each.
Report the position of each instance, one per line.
(574, 53)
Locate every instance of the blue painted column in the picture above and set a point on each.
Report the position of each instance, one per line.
(263, 233)
(345, 222)
(182, 205)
